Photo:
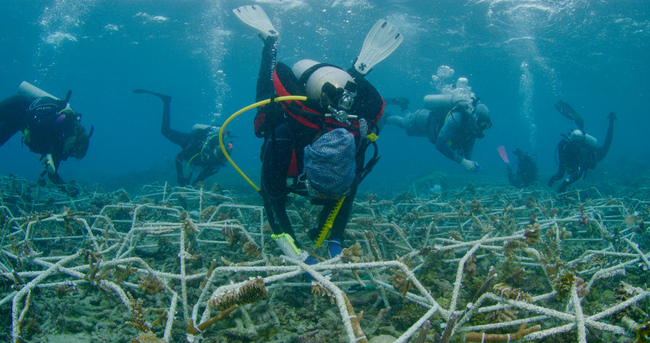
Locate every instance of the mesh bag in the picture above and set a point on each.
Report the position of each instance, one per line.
(329, 162)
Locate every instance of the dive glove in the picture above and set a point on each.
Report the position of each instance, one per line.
(470, 166)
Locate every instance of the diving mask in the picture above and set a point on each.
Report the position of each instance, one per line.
(484, 125)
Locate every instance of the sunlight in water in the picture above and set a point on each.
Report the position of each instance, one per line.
(526, 89)
(61, 23)
(216, 41)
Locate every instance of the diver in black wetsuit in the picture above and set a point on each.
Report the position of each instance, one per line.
(578, 152)
(50, 127)
(200, 148)
(289, 131)
(526, 170)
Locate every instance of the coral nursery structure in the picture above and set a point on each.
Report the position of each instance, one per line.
(170, 264)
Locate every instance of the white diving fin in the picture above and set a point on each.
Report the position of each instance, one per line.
(254, 17)
(380, 42)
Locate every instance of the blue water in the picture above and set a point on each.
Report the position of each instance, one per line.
(520, 57)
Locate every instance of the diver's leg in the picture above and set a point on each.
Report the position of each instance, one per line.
(7, 130)
(343, 216)
(180, 178)
(179, 138)
(340, 216)
(12, 116)
(397, 121)
(163, 97)
(341, 219)
(602, 150)
(276, 159)
(573, 176)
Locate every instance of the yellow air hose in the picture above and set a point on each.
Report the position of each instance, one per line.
(257, 104)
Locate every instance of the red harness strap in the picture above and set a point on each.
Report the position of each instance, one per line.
(293, 167)
(281, 91)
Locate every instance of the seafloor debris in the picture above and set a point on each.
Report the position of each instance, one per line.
(490, 264)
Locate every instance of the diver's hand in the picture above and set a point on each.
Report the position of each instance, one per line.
(470, 166)
(612, 116)
(48, 162)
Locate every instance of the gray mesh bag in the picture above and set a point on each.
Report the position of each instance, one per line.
(329, 162)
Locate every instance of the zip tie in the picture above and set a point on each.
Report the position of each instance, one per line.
(360, 338)
(350, 317)
(508, 338)
(483, 339)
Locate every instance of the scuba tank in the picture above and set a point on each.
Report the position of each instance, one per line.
(433, 102)
(30, 90)
(201, 127)
(588, 139)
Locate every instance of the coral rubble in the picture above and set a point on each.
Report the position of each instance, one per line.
(490, 263)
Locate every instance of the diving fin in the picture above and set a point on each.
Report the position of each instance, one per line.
(380, 42)
(504, 155)
(163, 97)
(139, 91)
(254, 17)
(568, 111)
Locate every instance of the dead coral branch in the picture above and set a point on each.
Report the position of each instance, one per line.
(491, 337)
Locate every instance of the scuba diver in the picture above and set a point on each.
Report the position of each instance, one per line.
(526, 170)
(49, 125)
(319, 143)
(578, 152)
(200, 147)
(452, 125)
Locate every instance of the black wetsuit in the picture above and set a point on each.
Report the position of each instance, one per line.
(44, 133)
(576, 156)
(285, 140)
(526, 170)
(194, 151)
